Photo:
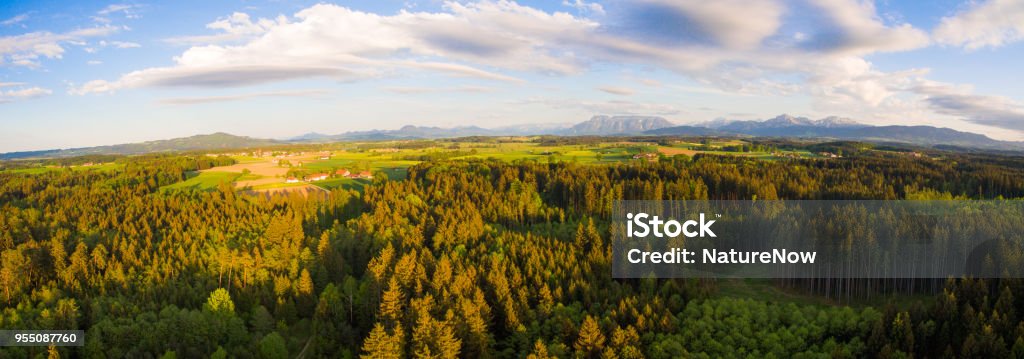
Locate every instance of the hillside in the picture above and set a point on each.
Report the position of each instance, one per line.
(217, 140)
(842, 128)
(784, 126)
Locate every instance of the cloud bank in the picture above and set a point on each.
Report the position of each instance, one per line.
(817, 48)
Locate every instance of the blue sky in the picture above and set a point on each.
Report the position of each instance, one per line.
(76, 73)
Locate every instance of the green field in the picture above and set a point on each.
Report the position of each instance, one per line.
(395, 163)
(203, 181)
(37, 170)
(345, 183)
(355, 162)
(356, 157)
(603, 153)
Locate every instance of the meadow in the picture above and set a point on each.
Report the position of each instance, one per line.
(391, 160)
(205, 181)
(43, 169)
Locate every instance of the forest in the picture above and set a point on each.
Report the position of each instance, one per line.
(476, 258)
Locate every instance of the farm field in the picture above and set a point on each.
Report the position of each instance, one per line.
(264, 174)
(253, 173)
(204, 180)
(99, 167)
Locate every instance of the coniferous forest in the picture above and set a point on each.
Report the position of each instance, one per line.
(463, 259)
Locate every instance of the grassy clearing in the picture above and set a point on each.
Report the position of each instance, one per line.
(248, 177)
(203, 181)
(355, 162)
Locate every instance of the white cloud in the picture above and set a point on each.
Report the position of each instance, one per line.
(457, 70)
(337, 42)
(729, 47)
(14, 20)
(990, 24)
(408, 90)
(858, 30)
(854, 82)
(612, 107)
(240, 97)
(615, 90)
(121, 44)
(213, 76)
(583, 6)
(236, 27)
(27, 49)
(114, 8)
(736, 24)
(961, 102)
(22, 93)
(129, 11)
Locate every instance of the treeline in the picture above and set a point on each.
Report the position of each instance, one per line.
(436, 155)
(461, 259)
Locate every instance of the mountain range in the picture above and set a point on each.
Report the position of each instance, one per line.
(844, 129)
(780, 126)
(616, 125)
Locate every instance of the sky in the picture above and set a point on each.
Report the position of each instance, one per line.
(81, 73)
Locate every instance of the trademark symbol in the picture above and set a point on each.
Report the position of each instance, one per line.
(718, 215)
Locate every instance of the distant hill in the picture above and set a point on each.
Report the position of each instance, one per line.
(617, 125)
(312, 136)
(926, 135)
(217, 140)
(845, 129)
(780, 126)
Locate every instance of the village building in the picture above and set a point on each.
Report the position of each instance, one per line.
(317, 177)
(650, 156)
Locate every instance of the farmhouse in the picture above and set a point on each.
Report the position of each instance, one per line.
(365, 174)
(317, 177)
(291, 180)
(650, 156)
(786, 154)
(342, 172)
